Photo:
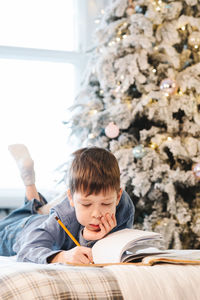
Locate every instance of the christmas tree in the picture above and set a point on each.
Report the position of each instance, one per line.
(141, 100)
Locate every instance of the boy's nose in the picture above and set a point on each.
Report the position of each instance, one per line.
(97, 214)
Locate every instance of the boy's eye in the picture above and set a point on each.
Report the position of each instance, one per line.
(106, 204)
(86, 205)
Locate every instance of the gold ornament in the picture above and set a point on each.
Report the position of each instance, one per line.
(152, 101)
(153, 145)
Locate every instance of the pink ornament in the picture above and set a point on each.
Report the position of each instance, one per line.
(111, 130)
(169, 86)
(130, 10)
(196, 170)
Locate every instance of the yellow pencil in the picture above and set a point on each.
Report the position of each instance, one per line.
(67, 231)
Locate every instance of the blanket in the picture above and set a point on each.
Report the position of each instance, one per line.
(22, 281)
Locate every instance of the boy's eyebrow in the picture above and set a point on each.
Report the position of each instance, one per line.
(104, 199)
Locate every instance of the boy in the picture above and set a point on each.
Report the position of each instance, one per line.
(95, 206)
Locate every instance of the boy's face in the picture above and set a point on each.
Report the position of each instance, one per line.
(90, 209)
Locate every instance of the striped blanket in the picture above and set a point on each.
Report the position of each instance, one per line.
(24, 281)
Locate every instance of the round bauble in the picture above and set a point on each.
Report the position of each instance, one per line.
(168, 86)
(139, 151)
(112, 130)
(196, 170)
(130, 10)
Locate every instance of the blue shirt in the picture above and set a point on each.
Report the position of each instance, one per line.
(42, 236)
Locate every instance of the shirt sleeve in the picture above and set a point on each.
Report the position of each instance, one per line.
(42, 242)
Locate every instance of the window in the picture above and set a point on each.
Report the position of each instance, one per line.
(34, 97)
(43, 24)
(42, 57)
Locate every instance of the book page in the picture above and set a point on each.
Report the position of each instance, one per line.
(175, 256)
(111, 248)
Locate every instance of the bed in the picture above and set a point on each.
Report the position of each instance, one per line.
(22, 281)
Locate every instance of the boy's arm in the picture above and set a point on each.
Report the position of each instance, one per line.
(38, 244)
(44, 241)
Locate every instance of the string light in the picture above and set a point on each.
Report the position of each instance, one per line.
(93, 111)
(158, 143)
(158, 5)
(180, 93)
(111, 43)
(117, 89)
(91, 136)
(122, 30)
(101, 92)
(154, 70)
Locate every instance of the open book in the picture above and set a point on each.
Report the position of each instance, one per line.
(137, 246)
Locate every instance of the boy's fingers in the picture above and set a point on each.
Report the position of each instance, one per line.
(102, 228)
(110, 220)
(87, 254)
(84, 259)
(105, 223)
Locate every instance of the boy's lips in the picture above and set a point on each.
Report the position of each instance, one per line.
(95, 226)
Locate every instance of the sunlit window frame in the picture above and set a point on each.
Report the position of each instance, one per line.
(10, 199)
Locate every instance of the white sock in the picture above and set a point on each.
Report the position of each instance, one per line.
(24, 162)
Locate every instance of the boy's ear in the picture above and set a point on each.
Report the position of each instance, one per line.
(69, 195)
(119, 195)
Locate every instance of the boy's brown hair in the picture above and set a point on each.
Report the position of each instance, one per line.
(93, 170)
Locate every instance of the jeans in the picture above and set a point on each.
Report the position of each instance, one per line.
(12, 225)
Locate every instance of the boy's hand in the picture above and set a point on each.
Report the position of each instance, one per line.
(108, 222)
(78, 255)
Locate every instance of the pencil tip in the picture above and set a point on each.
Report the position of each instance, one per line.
(56, 218)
